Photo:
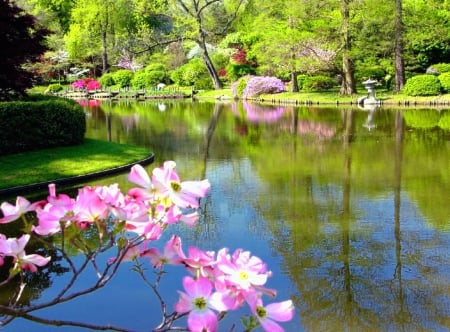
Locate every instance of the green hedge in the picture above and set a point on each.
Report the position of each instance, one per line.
(422, 85)
(41, 124)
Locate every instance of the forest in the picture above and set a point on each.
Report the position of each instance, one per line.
(210, 44)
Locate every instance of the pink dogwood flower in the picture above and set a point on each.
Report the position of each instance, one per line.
(89, 207)
(172, 253)
(15, 247)
(269, 315)
(183, 194)
(199, 301)
(13, 212)
(241, 269)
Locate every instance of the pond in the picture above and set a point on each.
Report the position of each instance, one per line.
(349, 208)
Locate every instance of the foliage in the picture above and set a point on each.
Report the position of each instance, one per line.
(371, 72)
(422, 85)
(123, 77)
(21, 41)
(444, 79)
(203, 83)
(439, 68)
(236, 71)
(238, 87)
(107, 80)
(54, 88)
(189, 73)
(318, 83)
(43, 124)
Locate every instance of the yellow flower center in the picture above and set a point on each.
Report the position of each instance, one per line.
(261, 312)
(176, 186)
(243, 275)
(200, 303)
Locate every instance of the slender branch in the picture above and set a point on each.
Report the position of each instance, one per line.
(73, 323)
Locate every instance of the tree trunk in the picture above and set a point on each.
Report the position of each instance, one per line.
(104, 53)
(399, 62)
(294, 81)
(210, 66)
(348, 80)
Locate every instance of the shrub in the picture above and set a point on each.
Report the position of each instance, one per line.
(204, 83)
(54, 88)
(140, 80)
(422, 85)
(189, 73)
(43, 124)
(123, 77)
(93, 85)
(439, 68)
(107, 80)
(301, 80)
(258, 85)
(155, 67)
(238, 87)
(444, 79)
(318, 83)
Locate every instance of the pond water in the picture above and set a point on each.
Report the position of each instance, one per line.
(349, 208)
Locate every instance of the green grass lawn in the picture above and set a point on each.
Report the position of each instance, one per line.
(51, 164)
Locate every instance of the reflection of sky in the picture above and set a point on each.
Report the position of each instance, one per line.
(234, 216)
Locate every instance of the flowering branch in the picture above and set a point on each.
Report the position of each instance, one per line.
(102, 217)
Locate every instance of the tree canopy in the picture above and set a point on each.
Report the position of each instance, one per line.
(348, 41)
(22, 43)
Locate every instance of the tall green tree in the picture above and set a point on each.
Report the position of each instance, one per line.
(348, 86)
(204, 22)
(398, 50)
(94, 27)
(22, 41)
(290, 37)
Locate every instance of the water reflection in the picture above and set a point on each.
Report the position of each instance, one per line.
(349, 207)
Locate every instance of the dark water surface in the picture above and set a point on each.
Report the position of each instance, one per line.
(349, 208)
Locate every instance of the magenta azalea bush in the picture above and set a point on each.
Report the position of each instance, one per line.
(86, 84)
(216, 282)
(258, 85)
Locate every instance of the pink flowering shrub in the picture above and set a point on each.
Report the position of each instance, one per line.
(86, 84)
(131, 221)
(252, 86)
(258, 85)
(93, 85)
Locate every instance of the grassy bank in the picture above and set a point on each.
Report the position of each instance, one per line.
(50, 164)
(333, 97)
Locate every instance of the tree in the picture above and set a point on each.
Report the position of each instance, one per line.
(398, 50)
(348, 79)
(95, 27)
(22, 43)
(203, 21)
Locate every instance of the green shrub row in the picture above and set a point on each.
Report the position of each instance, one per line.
(146, 78)
(40, 124)
(427, 85)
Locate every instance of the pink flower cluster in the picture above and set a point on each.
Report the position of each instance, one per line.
(258, 85)
(86, 83)
(218, 282)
